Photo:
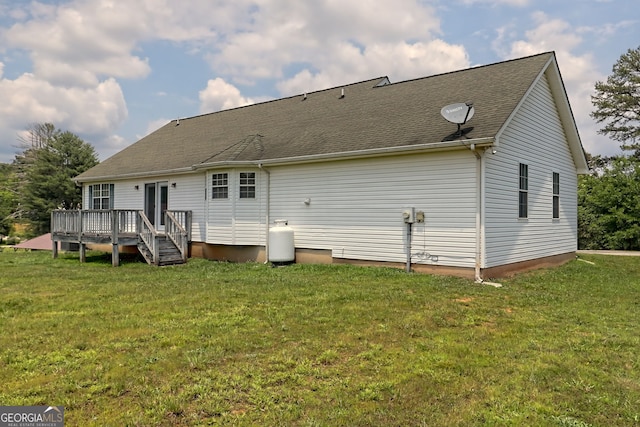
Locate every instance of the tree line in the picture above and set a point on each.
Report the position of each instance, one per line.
(40, 177)
(609, 197)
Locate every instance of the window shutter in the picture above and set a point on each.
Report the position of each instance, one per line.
(111, 200)
(90, 201)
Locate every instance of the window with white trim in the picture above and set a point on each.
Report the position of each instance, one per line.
(247, 185)
(220, 186)
(556, 195)
(101, 196)
(523, 194)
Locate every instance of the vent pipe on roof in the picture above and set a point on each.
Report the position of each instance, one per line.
(304, 97)
(178, 122)
(342, 93)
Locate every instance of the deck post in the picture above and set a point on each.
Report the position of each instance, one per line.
(189, 228)
(54, 244)
(115, 255)
(83, 253)
(80, 221)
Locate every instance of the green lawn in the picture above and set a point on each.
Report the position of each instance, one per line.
(244, 344)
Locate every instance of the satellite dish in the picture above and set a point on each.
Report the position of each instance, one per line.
(458, 113)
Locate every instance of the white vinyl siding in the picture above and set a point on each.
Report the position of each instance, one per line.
(236, 220)
(127, 196)
(188, 194)
(535, 137)
(355, 207)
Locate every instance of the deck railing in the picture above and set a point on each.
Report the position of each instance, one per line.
(93, 222)
(177, 234)
(106, 222)
(148, 236)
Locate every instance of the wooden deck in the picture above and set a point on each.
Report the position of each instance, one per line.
(123, 227)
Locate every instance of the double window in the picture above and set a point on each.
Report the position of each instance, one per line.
(523, 195)
(101, 196)
(246, 185)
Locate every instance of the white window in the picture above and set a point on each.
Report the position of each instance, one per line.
(247, 185)
(101, 196)
(220, 186)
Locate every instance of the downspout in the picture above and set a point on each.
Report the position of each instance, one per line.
(478, 271)
(268, 202)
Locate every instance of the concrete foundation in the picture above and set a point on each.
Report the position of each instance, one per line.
(317, 256)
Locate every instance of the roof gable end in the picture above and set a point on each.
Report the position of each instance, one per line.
(552, 72)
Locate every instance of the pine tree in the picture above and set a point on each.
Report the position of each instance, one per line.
(48, 170)
(617, 102)
(9, 206)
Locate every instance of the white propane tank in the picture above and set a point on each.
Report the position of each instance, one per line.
(281, 243)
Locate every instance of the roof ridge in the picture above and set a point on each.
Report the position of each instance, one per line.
(371, 119)
(477, 67)
(376, 79)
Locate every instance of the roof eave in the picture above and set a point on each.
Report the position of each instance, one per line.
(178, 171)
(566, 116)
(348, 155)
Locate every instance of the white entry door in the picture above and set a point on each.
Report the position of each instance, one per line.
(156, 201)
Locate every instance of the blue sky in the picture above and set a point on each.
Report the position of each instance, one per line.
(112, 71)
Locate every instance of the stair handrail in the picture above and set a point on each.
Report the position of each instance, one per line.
(177, 234)
(148, 235)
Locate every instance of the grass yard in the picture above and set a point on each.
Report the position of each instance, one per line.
(244, 344)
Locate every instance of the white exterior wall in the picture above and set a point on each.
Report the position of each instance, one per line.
(235, 221)
(124, 191)
(188, 194)
(534, 137)
(356, 206)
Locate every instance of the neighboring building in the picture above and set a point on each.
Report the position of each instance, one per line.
(342, 165)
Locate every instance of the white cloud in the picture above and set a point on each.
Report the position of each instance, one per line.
(607, 30)
(220, 95)
(495, 3)
(319, 33)
(399, 61)
(78, 48)
(92, 111)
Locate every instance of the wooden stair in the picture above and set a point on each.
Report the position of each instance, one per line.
(167, 247)
(168, 252)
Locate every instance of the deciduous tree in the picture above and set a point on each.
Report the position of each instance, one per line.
(609, 206)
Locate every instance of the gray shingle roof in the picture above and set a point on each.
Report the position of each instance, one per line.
(367, 117)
